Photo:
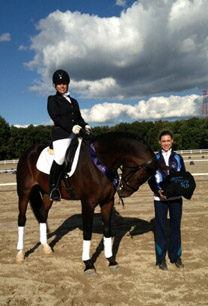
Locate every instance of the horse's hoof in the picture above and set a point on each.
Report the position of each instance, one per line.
(47, 249)
(90, 272)
(114, 268)
(20, 256)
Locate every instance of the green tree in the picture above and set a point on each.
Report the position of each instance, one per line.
(188, 134)
(98, 130)
(4, 137)
(23, 138)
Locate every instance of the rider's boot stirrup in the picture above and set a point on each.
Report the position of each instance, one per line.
(55, 194)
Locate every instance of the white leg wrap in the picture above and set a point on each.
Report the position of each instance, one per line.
(20, 243)
(43, 233)
(86, 250)
(107, 247)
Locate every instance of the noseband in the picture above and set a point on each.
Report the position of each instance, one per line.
(124, 179)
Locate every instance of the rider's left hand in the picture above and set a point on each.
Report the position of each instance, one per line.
(88, 129)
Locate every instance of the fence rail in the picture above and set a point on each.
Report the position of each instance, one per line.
(12, 161)
(194, 151)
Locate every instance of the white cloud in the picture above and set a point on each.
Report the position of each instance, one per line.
(153, 48)
(5, 37)
(152, 109)
(21, 126)
(22, 48)
(121, 3)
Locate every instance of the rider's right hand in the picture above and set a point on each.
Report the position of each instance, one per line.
(76, 129)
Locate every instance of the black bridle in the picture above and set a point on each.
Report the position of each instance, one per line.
(124, 179)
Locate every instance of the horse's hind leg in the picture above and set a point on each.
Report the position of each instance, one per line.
(43, 223)
(41, 204)
(23, 202)
(106, 211)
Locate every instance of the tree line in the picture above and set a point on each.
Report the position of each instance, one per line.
(188, 134)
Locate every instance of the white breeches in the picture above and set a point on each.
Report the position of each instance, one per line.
(60, 147)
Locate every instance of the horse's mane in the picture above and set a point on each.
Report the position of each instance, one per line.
(125, 134)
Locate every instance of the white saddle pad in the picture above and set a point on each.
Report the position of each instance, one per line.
(45, 160)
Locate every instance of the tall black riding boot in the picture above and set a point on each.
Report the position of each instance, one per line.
(55, 176)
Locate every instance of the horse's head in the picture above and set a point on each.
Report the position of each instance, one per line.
(133, 176)
(131, 154)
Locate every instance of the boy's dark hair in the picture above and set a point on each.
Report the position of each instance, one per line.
(165, 132)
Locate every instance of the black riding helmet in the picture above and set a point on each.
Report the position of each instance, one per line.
(61, 77)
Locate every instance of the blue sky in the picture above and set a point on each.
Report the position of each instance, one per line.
(128, 60)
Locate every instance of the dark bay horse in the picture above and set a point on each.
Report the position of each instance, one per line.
(115, 150)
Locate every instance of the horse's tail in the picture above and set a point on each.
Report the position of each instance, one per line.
(36, 201)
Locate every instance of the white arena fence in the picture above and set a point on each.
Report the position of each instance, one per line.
(197, 151)
(182, 152)
(12, 161)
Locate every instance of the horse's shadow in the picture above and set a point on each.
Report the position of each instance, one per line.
(121, 226)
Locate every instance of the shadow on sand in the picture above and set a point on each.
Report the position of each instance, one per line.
(121, 226)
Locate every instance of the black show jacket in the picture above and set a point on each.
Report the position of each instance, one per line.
(64, 115)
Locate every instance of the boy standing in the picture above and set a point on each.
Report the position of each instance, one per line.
(162, 205)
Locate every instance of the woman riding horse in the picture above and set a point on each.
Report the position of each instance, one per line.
(65, 113)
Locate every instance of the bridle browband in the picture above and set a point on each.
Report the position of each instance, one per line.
(133, 169)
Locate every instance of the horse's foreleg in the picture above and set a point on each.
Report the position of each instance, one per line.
(87, 220)
(106, 211)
